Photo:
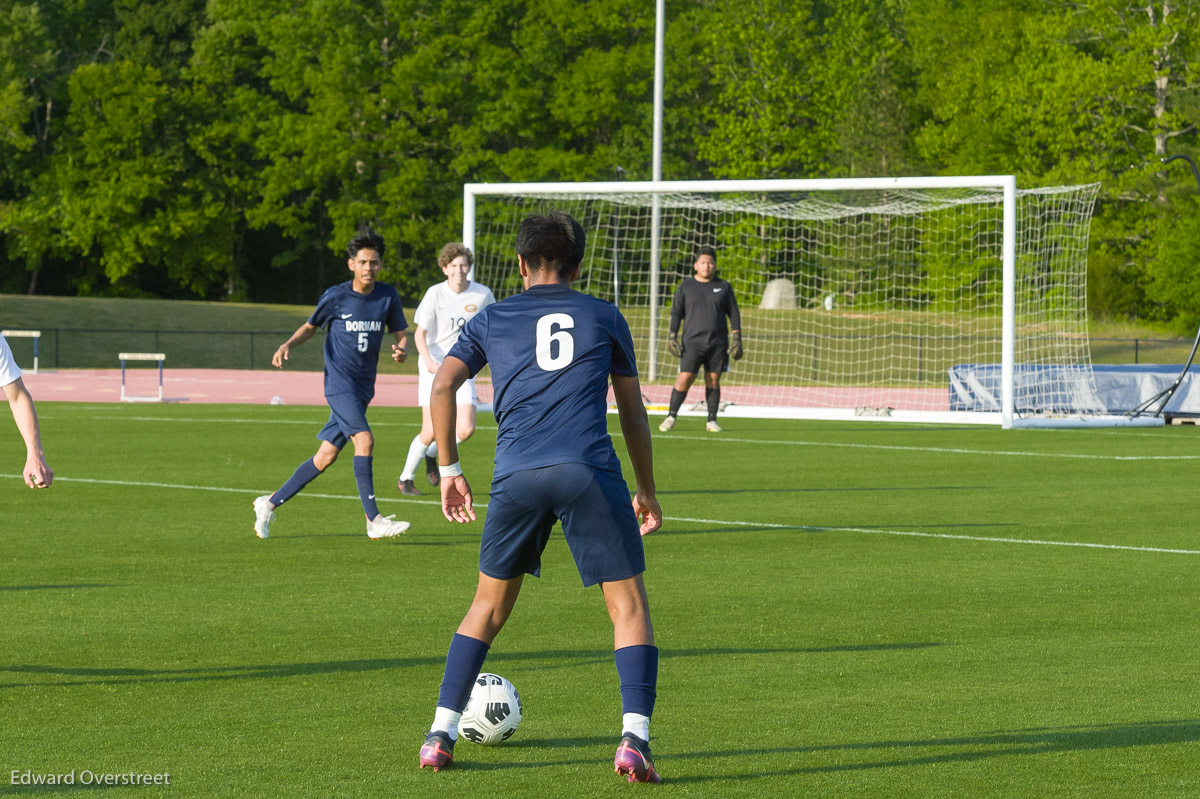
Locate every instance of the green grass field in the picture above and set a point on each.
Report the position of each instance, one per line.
(844, 610)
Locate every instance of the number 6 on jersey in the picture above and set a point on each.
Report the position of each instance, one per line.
(547, 336)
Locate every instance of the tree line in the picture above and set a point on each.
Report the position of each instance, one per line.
(226, 149)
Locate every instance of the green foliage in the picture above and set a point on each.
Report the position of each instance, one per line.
(1174, 278)
(1069, 93)
(191, 148)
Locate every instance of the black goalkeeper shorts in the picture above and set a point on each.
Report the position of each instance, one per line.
(714, 357)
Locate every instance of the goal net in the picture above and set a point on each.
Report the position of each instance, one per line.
(906, 298)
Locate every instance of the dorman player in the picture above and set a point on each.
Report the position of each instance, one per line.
(356, 314)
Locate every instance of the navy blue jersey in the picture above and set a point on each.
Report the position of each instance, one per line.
(551, 350)
(356, 324)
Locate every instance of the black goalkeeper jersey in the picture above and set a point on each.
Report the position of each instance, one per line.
(702, 308)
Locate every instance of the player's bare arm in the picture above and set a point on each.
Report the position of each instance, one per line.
(443, 410)
(400, 348)
(421, 338)
(37, 472)
(302, 334)
(635, 427)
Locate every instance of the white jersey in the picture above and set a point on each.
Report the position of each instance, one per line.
(9, 371)
(443, 313)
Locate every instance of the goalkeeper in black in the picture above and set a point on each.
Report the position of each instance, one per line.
(701, 305)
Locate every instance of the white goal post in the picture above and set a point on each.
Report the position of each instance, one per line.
(956, 299)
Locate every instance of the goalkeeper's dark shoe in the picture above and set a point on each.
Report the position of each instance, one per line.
(432, 473)
(437, 751)
(633, 760)
(406, 487)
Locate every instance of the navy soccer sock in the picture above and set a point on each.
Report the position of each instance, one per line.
(364, 476)
(677, 398)
(304, 474)
(713, 397)
(637, 668)
(463, 663)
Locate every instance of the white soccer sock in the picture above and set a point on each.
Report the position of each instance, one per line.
(416, 453)
(446, 720)
(432, 450)
(636, 724)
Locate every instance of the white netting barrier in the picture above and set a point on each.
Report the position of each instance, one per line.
(854, 298)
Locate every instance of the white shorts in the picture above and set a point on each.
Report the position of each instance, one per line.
(466, 392)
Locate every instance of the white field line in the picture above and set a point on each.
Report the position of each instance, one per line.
(915, 534)
(309, 422)
(723, 522)
(220, 489)
(947, 450)
(729, 439)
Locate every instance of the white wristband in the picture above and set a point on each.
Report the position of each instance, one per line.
(453, 470)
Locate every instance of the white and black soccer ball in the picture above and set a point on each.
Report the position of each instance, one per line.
(493, 712)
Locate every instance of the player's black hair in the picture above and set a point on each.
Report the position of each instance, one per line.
(366, 240)
(707, 251)
(554, 240)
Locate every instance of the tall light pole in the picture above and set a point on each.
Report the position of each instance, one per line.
(656, 208)
(659, 25)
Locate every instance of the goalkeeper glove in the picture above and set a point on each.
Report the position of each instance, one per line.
(673, 346)
(735, 346)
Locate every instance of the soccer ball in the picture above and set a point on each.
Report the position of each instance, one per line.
(493, 712)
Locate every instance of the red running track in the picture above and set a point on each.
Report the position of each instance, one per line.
(215, 386)
(226, 386)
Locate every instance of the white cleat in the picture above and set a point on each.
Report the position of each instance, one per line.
(385, 527)
(667, 424)
(712, 427)
(264, 514)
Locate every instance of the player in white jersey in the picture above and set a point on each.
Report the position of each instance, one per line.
(37, 473)
(442, 313)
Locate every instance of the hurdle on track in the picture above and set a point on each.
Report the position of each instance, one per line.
(142, 356)
(36, 335)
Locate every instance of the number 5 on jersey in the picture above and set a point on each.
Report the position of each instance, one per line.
(552, 329)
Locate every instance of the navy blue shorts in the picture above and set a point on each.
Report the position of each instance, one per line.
(347, 416)
(714, 358)
(597, 518)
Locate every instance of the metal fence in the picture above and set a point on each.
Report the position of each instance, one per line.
(1140, 350)
(94, 348)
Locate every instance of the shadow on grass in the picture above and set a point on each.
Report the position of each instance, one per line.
(402, 539)
(738, 529)
(47, 790)
(56, 587)
(827, 490)
(126, 676)
(968, 748)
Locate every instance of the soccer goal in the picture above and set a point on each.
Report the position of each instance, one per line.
(917, 299)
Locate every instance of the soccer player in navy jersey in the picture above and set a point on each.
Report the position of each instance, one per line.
(701, 305)
(356, 313)
(552, 352)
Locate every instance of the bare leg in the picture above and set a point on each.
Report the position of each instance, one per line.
(494, 600)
